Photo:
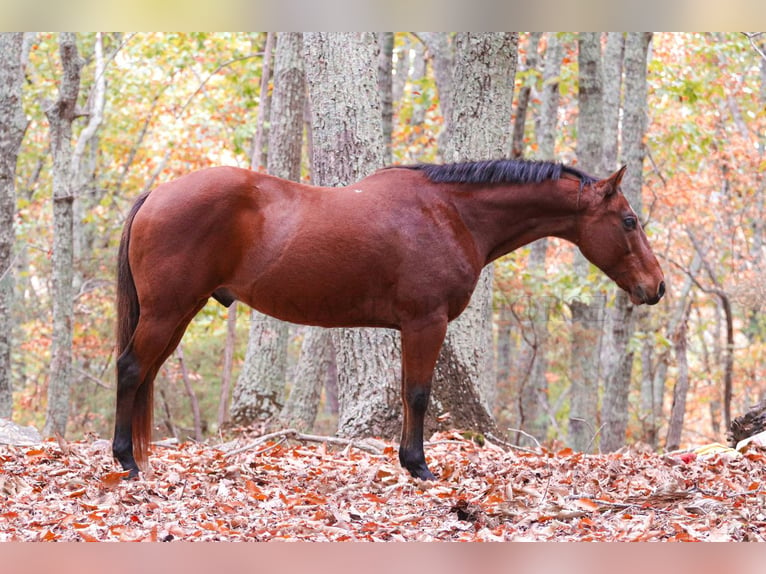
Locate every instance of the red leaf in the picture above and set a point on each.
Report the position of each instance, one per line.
(88, 537)
(112, 479)
(254, 491)
(586, 504)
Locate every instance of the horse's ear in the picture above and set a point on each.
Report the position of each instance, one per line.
(612, 183)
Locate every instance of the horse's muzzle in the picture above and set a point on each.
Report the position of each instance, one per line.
(640, 296)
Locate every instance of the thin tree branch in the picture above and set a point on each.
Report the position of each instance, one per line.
(752, 36)
(295, 435)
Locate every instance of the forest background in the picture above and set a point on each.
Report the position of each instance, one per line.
(151, 107)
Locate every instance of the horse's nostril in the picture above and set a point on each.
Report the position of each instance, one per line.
(661, 289)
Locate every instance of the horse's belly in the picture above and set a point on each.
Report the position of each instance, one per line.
(310, 304)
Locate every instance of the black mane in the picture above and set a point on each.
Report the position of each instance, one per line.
(498, 171)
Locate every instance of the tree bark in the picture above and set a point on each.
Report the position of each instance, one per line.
(13, 124)
(258, 156)
(483, 78)
(314, 364)
(547, 120)
(228, 365)
(386, 87)
(442, 55)
(586, 316)
(60, 116)
(613, 56)
(618, 383)
(259, 393)
(676, 422)
(347, 145)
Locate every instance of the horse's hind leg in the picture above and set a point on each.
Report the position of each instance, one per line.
(153, 342)
(420, 350)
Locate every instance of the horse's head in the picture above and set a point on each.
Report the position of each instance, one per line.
(610, 235)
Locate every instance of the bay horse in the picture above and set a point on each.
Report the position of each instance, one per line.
(400, 249)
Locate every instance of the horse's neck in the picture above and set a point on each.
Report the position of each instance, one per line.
(504, 218)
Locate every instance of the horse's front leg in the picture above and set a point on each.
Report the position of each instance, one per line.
(421, 343)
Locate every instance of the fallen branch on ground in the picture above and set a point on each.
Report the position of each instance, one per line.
(363, 445)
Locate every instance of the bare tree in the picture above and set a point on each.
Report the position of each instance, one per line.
(61, 114)
(617, 386)
(586, 315)
(13, 124)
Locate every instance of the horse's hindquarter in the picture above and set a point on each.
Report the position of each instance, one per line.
(366, 255)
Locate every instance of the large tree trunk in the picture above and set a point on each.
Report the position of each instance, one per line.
(386, 87)
(13, 124)
(347, 145)
(586, 316)
(483, 76)
(259, 393)
(617, 387)
(60, 116)
(440, 50)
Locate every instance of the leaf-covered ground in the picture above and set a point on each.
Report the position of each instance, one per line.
(293, 490)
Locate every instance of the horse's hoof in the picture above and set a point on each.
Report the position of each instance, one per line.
(422, 473)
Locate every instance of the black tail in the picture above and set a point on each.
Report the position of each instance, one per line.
(127, 298)
(128, 313)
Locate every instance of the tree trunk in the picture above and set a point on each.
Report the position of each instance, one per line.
(442, 55)
(347, 145)
(228, 365)
(503, 361)
(314, 364)
(417, 75)
(386, 87)
(618, 383)
(259, 393)
(613, 56)
(676, 423)
(547, 120)
(258, 155)
(483, 76)
(653, 387)
(85, 161)
(520, 119)
(60, 116)
(13, 124)
(586, 316)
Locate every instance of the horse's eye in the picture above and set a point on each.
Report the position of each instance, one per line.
(630, 222)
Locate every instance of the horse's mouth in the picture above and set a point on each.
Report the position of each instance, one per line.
(639, 296)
